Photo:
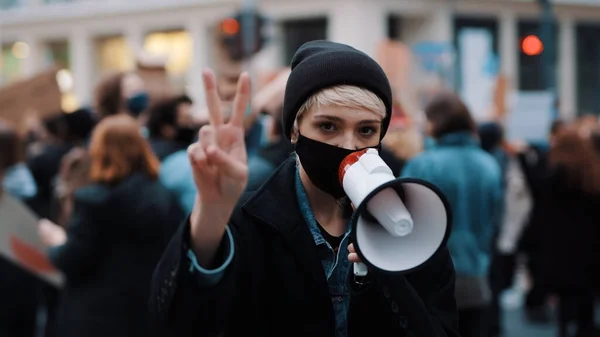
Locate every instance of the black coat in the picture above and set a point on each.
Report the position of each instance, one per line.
(115, 238)
(568, 236)
(276, 286)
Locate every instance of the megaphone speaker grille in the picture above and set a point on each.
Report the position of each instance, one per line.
(432, 221)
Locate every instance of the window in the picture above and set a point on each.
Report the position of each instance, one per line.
(176, 46)
(12, 61)
(588, 68)
(298, 32)
(490, 25)
(113, 54)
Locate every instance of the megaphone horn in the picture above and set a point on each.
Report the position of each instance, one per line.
(398, 224)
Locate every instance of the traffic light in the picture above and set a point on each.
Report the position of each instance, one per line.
(531, 45)
(243, 34)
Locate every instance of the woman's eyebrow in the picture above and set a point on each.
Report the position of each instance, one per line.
(330, 118)
(370, 121)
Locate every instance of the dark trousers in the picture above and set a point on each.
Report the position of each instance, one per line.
(537, 295)
(501, 277)
(473, 322)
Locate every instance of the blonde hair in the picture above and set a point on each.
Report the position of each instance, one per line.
(348, 96)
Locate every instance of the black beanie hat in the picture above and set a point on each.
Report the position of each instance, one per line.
(321, 64)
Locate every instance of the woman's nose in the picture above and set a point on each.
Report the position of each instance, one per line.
(350, 142)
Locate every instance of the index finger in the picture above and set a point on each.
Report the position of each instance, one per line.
(213, 101)
(240, 102)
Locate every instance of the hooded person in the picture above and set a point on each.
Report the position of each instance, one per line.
(277, 261)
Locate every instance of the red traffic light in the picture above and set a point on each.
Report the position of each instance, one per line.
(532, 45)
(230, 26)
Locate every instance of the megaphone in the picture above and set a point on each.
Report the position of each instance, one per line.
(398, 223)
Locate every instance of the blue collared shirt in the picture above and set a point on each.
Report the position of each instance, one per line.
(335, 266)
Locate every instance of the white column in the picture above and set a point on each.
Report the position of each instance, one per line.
(360, 24)
(440, 23)
(567, 78)
(32, 63)
(200, 59)
(81, 53)
(509, 48)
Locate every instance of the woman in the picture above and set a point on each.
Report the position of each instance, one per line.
(567, 229)
(122, 92)
(279, 264)
(470, 178)
(119, 226)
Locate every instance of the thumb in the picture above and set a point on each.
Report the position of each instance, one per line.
(227, 163)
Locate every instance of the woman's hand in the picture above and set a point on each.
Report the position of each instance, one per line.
(219, 158)
(220, 168)
(353, 256)
(51, 234)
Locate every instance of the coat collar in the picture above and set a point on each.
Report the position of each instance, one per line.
(461, 138)
(276, 205)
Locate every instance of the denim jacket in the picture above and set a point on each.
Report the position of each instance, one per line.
(336, 267)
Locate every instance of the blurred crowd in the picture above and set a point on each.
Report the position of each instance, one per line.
(113, 182)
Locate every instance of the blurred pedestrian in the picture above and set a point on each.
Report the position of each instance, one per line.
(20, 289)
(171, 126)
(119, 226)
(470, 179)
(567, 230)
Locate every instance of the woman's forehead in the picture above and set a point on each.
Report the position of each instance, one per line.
(345, 113)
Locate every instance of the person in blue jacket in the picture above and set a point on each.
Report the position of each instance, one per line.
(471, 180)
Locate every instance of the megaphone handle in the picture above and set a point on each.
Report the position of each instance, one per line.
(360, 269)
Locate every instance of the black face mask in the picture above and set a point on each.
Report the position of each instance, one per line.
(321, 162)
(186, 135)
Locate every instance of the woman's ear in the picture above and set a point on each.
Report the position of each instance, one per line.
(294, 135)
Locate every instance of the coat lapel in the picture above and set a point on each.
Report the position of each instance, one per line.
(276, 205)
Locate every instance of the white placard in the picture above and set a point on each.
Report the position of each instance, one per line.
(530, 117)
(20, 243)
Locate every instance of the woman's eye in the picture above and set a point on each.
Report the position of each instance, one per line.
(328, 127)
(367, 131)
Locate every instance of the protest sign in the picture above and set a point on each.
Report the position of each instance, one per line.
(39, 95)
(20, 243)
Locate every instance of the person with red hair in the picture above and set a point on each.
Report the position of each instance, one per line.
(114, 237)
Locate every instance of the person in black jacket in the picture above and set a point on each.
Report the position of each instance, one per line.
(20, 289)
(119, 226)
(279, 263)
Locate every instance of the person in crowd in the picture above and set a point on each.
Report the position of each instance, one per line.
(567, 230)
(269, 101)
(516, 209)
(113, 240)
(470, 179)
(74, 174)
(20, 289)
(122, 92)
(534, 161)
(44, 163)
(80, 124)
(17, 179)
(280, 262)
(270, 156)
(171, 126)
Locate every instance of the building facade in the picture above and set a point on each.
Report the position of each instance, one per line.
(92, 37)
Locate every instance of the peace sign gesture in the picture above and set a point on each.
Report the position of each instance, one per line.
(219, 159)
